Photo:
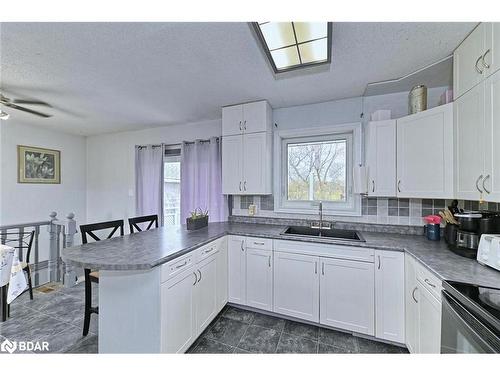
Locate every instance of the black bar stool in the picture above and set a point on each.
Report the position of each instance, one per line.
(151, 219)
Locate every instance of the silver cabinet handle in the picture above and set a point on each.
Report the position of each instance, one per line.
(477, 182)
(208, 251)
(245, 186)
(181, 265)
(399, 186)
(240, 185)
(477, 61)
(245, 124)
(195, 278)
(240, 126)
(316, 267)
(373, 186)
(378, 261)
(323, 268)
(487, 66)
(258, 243)
(413, 294)
(484, 187)
(200, 275)
(269, 261)
(242, 248)
(429, 283)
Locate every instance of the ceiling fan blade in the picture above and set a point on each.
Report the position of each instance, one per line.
(33, 102)
(13, 106)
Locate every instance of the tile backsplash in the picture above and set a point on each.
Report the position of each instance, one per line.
(399, 211)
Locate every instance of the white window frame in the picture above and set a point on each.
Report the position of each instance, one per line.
(352, 133)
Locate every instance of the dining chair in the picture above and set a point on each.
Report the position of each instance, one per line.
(150, 219)
(22, 242)
(93, 276)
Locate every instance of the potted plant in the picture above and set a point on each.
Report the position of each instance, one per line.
(197, 220)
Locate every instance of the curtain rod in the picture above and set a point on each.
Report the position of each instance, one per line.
(179, 144)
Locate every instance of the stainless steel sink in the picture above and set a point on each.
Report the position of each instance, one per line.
(333, 234)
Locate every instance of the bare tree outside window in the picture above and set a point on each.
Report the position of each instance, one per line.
(317, 171)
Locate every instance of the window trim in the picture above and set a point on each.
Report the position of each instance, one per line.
(283, 137)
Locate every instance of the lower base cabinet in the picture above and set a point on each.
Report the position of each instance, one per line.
(347, 295)
(206, 293)
(296, 285)
(259, 278)
(423, 311)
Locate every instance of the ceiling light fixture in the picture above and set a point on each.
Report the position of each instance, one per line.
(295, 45)
(4, 115)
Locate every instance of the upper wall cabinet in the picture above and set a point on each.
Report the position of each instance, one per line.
(425, 154)
(247, 149)
(381, 158)
(247, 118)
(476, 58)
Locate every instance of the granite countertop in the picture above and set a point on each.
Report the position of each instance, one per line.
(149, 249)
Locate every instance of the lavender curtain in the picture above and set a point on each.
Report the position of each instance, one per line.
(201, 179)
(149, 180)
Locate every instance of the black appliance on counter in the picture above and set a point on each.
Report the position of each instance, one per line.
(470, 319)
(463, 239)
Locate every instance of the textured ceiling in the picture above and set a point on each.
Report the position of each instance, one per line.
(107, 77)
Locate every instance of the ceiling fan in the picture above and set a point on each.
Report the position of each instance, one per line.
(13, 103)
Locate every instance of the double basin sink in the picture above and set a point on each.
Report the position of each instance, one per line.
(324, 233)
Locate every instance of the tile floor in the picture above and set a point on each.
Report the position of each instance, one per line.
(57, 318)
(240, 331)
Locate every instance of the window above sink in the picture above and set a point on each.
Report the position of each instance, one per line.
(316, 165)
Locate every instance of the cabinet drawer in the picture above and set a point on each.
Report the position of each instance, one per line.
(176, 266)
(431, 282)
(326, 250)
(207, 250)
(259, 243)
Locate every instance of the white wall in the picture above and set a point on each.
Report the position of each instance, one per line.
(21, 203)
(110, 165)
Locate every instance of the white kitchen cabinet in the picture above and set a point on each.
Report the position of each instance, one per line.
(492, 53)
(247, 118)
(206, 292)
(477, 131)
(423, 309)
(467, 61)
(236, 269)
(296, 285)
(347, 295)
(425, 154)
(390, 295)
(232, 164)
(222, 274)
(247, 164)
(429, 320)
(381, 158)
(178, 320)
(469, 143)
(491, 181)
(259, 278)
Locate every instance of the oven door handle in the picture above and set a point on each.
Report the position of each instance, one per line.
(468, 322)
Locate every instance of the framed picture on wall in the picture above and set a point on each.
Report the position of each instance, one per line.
(38, 165)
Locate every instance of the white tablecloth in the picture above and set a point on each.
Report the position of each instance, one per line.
(11, 272)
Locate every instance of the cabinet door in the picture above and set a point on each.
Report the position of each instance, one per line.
(178, 321)
(222, 274)
(390, 295)
(492, 138)
(232, 164)
(381, 158)
(232, 120)
(206, 293)
(469, 137)
(296, 286)
(347, 295)
(492, 52)
(411, 307)
(237, 269)
(259, 279)
(466, 74)
(256, 117)
(429, 321)
(256, 163)
(425, 154)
